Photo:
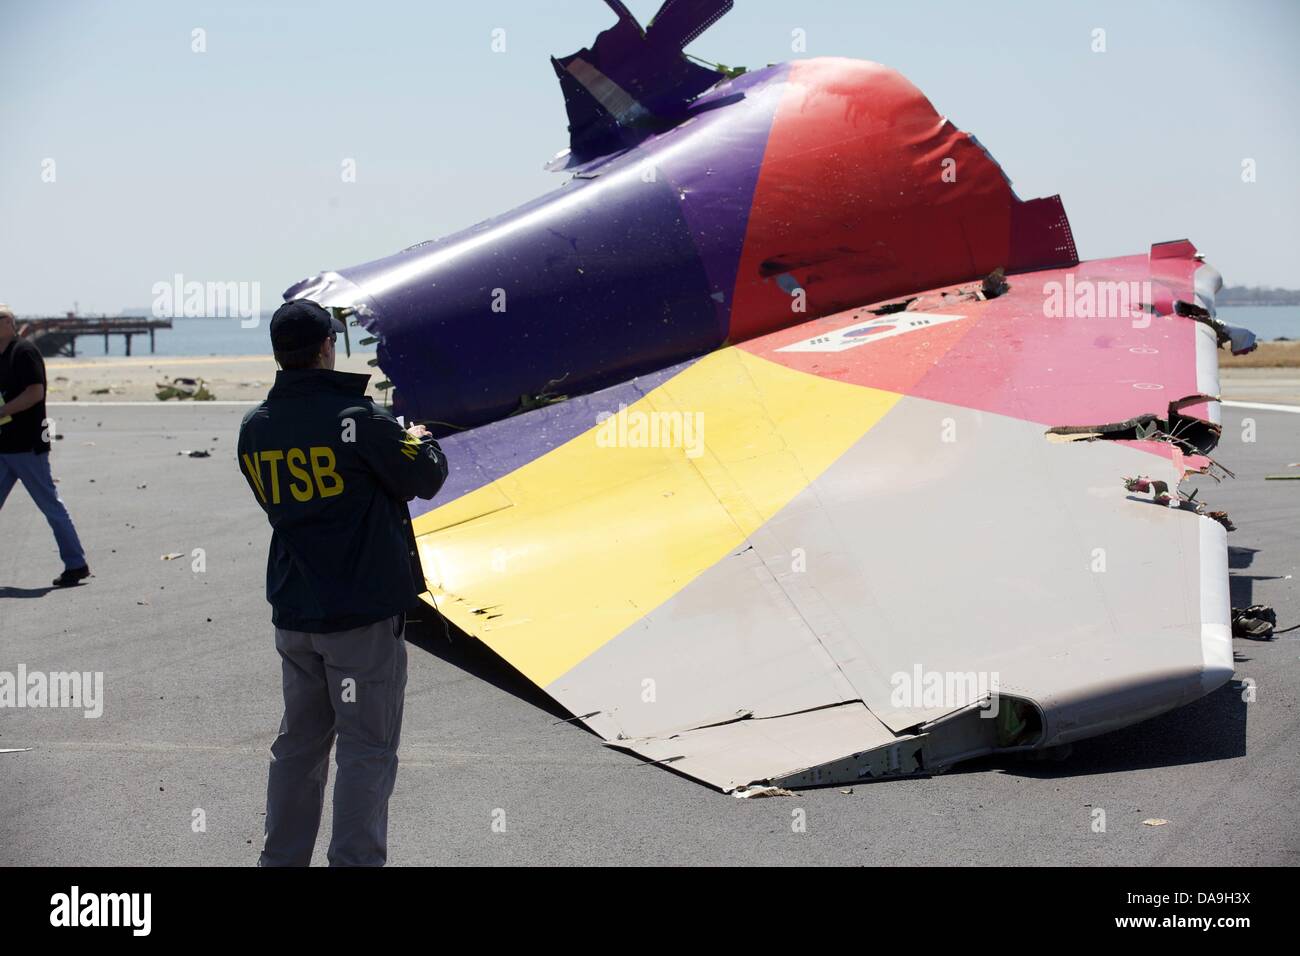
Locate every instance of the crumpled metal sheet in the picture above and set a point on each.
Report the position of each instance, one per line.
(879, 550)
(820, 178)
(745, 608)
(734, 755)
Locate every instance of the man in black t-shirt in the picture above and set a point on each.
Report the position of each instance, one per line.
(25, 443)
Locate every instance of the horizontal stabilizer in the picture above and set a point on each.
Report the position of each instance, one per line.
(633, 82)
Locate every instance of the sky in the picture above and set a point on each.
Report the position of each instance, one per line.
(226, 165)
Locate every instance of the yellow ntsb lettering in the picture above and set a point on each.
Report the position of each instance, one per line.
(295, 460)
(272, 458)
(322, 466)
(254, 475)
(323, 479)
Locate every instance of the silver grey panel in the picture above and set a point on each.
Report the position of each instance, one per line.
(998, 555)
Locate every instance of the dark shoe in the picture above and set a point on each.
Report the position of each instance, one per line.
(71, 576)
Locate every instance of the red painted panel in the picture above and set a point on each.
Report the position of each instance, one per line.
(853, 203)
(1006, 355)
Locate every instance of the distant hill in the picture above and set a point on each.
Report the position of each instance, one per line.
(1255, 295)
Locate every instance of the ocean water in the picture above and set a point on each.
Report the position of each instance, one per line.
(1266, 321)
(228, 337)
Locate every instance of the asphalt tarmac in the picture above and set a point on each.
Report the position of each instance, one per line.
(490, 773)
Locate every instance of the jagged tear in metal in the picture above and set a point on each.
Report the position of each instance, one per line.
(746, 424)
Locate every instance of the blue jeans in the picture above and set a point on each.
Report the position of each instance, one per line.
(33, 471)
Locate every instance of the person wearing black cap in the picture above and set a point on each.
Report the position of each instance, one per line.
(333, 472)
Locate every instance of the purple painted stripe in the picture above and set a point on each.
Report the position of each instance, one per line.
(718, 183)
(610, 276)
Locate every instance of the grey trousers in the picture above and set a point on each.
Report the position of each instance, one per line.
(351, 684)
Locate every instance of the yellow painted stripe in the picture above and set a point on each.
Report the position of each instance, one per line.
(557, 558)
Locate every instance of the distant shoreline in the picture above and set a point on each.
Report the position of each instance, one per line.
(1267, 374)
(1239, 303)
(111, 378)
(1235, 295)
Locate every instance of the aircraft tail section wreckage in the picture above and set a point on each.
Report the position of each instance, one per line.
(790, 447)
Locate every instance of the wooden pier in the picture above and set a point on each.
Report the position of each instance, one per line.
(58, 336)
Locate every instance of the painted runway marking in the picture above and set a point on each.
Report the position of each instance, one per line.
(1293, 409)
(148, 361)
(154, 404)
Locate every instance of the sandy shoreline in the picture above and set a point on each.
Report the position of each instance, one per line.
(248, 377)
(116, 378)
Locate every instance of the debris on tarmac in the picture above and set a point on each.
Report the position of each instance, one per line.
(184, 389)
(1256, 622)
(751, 792)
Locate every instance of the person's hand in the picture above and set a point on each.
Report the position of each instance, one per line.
(419, 431)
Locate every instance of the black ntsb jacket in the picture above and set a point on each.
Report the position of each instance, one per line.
(333, 472)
